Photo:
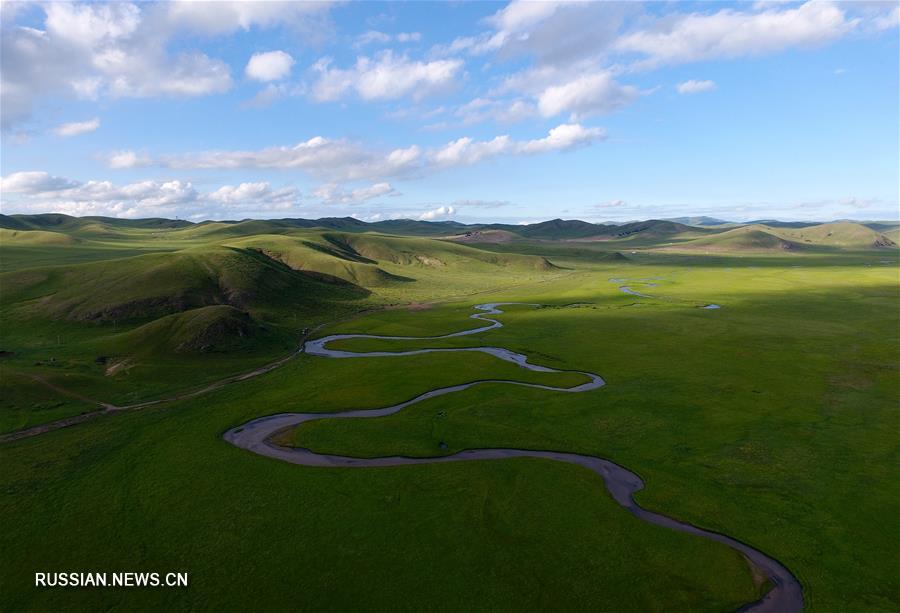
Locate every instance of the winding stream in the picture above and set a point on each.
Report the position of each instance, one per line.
(256, 435)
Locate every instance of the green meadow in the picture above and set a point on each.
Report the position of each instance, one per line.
(772, 419)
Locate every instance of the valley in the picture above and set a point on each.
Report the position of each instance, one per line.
(753, 420)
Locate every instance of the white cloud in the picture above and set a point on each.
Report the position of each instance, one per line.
(144, 198)
(90, 26)
(334, 160)
(266, 96)
(587, 95)
(39, 192)
(127, 159)
(518, 16)
(187, 75)
(387, 76)
(562, 138)
(442, 212)
(228, 16)
(504, 111)
(466, 151)
(887, 21)
(381, 38)
(730, 33)
(34, 182)
(554, 33)
(77, 127)
(260, 192)
(695, 87)
(120, 49)
(269, 66)
(98, 49)
(372, 36)
(332, 193)
(342, 160)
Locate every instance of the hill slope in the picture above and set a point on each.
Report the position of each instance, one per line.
(155, 285)
(745, 239)
(839, 234)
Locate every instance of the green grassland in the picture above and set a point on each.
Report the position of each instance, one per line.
(772, 419)
(143, 311)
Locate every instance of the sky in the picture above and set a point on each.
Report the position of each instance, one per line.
(471, 111)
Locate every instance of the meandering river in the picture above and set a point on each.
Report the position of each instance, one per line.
(256, 435)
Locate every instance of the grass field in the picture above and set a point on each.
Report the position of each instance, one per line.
(772, 419)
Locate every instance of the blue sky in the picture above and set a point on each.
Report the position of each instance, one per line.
(471, 111)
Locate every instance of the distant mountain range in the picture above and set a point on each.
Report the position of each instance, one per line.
(655, 232)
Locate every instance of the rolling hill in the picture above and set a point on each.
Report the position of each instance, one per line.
(149, 286)
(744, 239)
(839, 234)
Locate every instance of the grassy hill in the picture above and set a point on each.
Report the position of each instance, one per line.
(557, 229)
(653, 229)
(205, 329)
(35, 237)
(840, 234)
(58, 222)
(148, 296)
(153, 293)
(758, 238)
(745, 239)
(150, 286)
(755, 419)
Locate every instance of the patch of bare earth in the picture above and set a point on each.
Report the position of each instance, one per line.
(117, 366)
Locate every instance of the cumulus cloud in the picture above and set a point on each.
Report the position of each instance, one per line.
(144, 198)
(89, 50)
(556, 33)
(228, 16)
(386, 76)
(186, 75)
(39, 192)
(586, 95)
(269, 66)
(562, 138)
(127, 159)
(77, 127)
(729, 33)
(333, 160)
(34, 182)
(120, 49)
(332, 193)
(343, 160)
(466, 151)
(442, 212)
(695, 87)
(577, 47)
(254, 193)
